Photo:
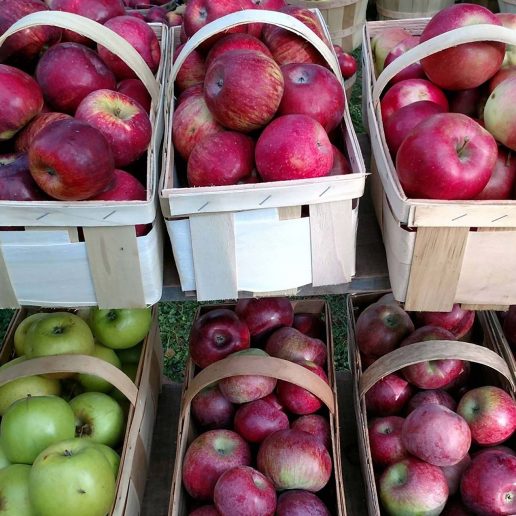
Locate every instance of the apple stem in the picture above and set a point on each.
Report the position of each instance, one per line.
(111, 315)
(57, 330)
(82, 430)
(461, 148)
(51, 172)
(67, 453)
(508, 160)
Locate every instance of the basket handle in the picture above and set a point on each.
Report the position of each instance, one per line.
(431, 350)
(263, 366)
(98, 33)
(83, 364)
(469, 34)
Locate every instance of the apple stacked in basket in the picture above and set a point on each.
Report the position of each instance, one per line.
(255, 102)
(265, 446)
(61, 434)
(438, 435)
(450, 119)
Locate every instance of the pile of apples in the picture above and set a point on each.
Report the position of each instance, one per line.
(156, 11)
(256, 102)
(435, 438)
(264, 445)
(75, 122)
(61, 433)
(449, 120)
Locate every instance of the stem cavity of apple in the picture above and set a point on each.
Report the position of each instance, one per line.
(111, 315)
(460, 150)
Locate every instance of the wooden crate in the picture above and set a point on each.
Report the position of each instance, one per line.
(142, 395)
(488, 367)
(496, 327)
(225, 238)
(114, 268)
(403, 9)
(439, 252)
(267, 366)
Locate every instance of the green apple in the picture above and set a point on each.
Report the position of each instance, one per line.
(4, 461)
(120, 329)
(111, 455)
(130, 355)
(23, 387)
(14, 491)
(32, 424)
(130, 370)
(71, 478)
(21, 332)
(98, 417)
(95, 383)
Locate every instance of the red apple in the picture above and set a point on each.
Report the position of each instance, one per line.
(509, 326)
(300, 503)
(462, 66)
(196, 90)
(156, 14)
(290, 344)
(340, 163)
(192, 71)
(16, 183)
(256, 420)
(500, 76)
(140, 36)
(215, 335)
(309, 324)
(20, 98)
(68, 72)
(293, 147)
(431, 396)
(243, 89)
(269, 5)
(385, 440)
(490, 413)
(121, 119)
(460, 165)
(210, 455)
(338, 49)
(174, 19)
(457, 321)
(458, 386)
(384, 42)
(315, 424)
(388, 396)
(455, 507)
(413, 71)
(136, 14)
(135, 89)
(27, 134)
(503, 178)
(468, 102)
(70, 160)
(211, 409)
(454, 473)
(347, 64)
(272, 400)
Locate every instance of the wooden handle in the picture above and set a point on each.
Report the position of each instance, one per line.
(83, 364)
(431, 350)
(98, 33)
(238, 365)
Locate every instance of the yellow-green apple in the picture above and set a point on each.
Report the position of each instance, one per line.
(490, 413)
(245, 388)
(296, 502)
(436, 434)
(462, 66)
(135, 89)
(508, 20)
(174, 19)
(312, 90)
(383, 43)
(71, 477)
(120, 328)
(413, 487)
(141, 36)
(243, 491)
(4, 461)
(98, 417)
(208, 456)
(16, 183)
(236, 41)
(314, 424)
(14, 491)
(290, 344)
(256, 420)
(347, 64)
(431, 396)
(454, 473)
(221, 159)
(293, 459)
(71, 160)
(216, 334)
(32, 424)
(111, 455)
(122, 120)
(192, 70)
(243, 101)
(457, 321)
(21, 332)
(499, 112)
(409, 91)
(503, 178)
(26, 135)
(340, 163)
(385, 440)
(68, 72)
(501, 75)
(413, 71)
(94, 383)
(447, 156)
(21, 99)
(211, 409)
(309, 324)
(488, 485)
(293, 147)
(388, 396)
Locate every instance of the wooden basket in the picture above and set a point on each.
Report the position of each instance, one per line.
(267, 366)
(345, 19)
(225, 238)
(439, 252)
(496, 328)
(507, 6)
(142, 396)
(49, 229)
(403, 9)
(495, 370)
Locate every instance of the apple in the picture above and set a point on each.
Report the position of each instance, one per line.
(309, 324)
(14, 490)
(508, 20)
(347, 64)
(388, 396)
(30, 425)
(509, 326)
(95, 383)
(245, 388)
(488, 484)
(436, 434)
(174, 19)
(490, 413)
(265, 314)
(130, 355)
(137, 14)
(503, 178)
(316, 425)
(131, 371)
(413, 71)
(273, 400)
(454, 473)
(340, 163)
(269, 5)
(298, 503)
(243, 491)
(468, 102)
(27, 134)
(156, 14)
(500, 76)
(256, 420)
(208, 456)
(109, 454)
(385, 440)
(192, 70)
(498, 112)
(383, 43)
(381, 327)
(122, 120)
(455, 507)
(458, 386)
(457, 321)
(135, 89)
(120, 328)
(413, 487)
(431, 396)
(459, 170)
(71, 477)
(290, 344)
(4, 461)
(140, 36)
(211, 409)
(216, 334)
(494, 449)
(16, 183)
(205, 510)
(293, 459)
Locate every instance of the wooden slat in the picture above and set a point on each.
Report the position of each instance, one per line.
(7, 296)
(289, 212)
(73, 234)
(497, 308)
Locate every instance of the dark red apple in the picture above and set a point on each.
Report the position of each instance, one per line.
(385, 440)
(300, 503)
(309, 324)
(256, 420)
(156, 14)
(272, 400)
(215, 335)
(435, 397)
(192, 71)
(454, 473)
(455, 507)
(457, 321)
(340, 163)
(196, 90)
(503, 178)
(205, 510)
(136, 14)
(16, 183)
(347, 64)
(27, 134)
(500, 76)
(468, 102)
(135, 89)
(315, 424)
(290, 344)
(388, 396)
(413, 71)
(211, 409)
(174, 19)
